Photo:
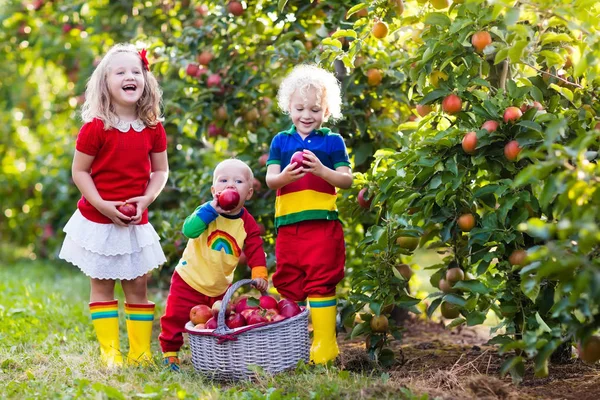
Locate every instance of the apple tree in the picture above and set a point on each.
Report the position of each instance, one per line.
(498, 173)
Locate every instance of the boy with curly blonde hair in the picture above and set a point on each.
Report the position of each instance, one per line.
(310, 248)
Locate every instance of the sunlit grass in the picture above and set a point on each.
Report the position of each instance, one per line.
(48, 350)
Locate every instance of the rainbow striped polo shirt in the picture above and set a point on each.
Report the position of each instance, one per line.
(311, 197)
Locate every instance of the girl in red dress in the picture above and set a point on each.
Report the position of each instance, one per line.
(120, 158)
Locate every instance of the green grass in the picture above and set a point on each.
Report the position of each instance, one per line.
(48, 350)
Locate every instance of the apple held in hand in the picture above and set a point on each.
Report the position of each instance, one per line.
(298, 158)
(200, 314)
(228, 199)
(128, 209)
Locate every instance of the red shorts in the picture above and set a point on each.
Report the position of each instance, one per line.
(310, 259)
(182, 297)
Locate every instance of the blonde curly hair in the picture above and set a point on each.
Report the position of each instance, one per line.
(305, 76)
(97, 96)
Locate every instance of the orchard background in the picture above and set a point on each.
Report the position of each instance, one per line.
(511, 208)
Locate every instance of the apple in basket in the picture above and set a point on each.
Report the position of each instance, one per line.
(200, 326)
(200, 314)
(235, 321)
(246, 313)
(216, 307)
(211, 324)
(288, 308)
(256, 318)
(270, 313)
(278, 317)
(267, 302)
(242, 304)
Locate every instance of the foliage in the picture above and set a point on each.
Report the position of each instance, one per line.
(545, 202)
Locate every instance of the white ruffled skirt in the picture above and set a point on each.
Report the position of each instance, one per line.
(109, 251)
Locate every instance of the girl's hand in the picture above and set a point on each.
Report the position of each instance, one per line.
(109, 209)
(313, 164)
(261, 284)
(142, 203)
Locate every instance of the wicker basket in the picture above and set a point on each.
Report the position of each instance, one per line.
(226, 354)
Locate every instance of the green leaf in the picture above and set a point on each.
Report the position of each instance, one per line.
(331, 42)
(543, 326)
(512, 16)
(436, 18)
(515, 367)
(541, 359)
(455, 299)
(456, 322)
(434, 95)
(501, 56)
(531, 125)
(475, 318)
(433, 306)
(358, 330)
(281, 5)
(473, 285)
(552, 37)
(568, 94)
(344, 33)
(356, 9)
(516, 51)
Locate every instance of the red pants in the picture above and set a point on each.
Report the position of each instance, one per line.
(310, 259)
(182, 297)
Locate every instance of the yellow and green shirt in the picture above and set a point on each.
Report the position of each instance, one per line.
(214, 248)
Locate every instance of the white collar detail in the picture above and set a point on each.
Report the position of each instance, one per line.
(124, 127)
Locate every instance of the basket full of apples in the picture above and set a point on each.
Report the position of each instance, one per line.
(232, 336)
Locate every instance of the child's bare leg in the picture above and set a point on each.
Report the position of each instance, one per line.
(136, 290)
(102, 290)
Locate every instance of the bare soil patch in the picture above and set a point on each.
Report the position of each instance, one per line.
(457, 364)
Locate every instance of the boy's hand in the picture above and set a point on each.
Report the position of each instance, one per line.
(313, 164)
(215, 204)
(291, 175)
(261, 284)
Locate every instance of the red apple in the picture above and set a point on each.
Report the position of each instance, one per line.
(271, 313)
(246, 313)
(490, 126)
(267, 302)
(364, 203)
(211, 323)
(511, 114)
(228, 199)
(214, 130)
(200, 314)
(288, 308)
(512, 150)
(202, 10)
(262, 160)
(216, 307)
(278, 317)
(128, 209)
(192, 69)
(213, 80)
(205, 58)
(256, 318)
(452, 104)
(235, 321)
(200, 326)
(235, 8)
(242, 304)
(298, 158)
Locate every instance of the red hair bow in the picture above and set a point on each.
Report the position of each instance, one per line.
(144, 60)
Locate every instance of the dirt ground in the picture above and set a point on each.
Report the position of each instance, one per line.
(456, 364)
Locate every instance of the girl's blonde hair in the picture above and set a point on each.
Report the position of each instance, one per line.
(305, 76)
(97, 97)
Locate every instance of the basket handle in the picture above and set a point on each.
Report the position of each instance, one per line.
(222, 328)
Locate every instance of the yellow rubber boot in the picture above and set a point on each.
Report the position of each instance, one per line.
(139, 319)
(323, 312)
(105, 318)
